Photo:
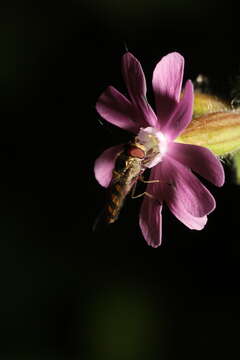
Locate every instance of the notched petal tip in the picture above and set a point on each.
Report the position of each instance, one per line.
(167, 86)
(187, 189)
(201, 160)
(134, 77)
(117, 109)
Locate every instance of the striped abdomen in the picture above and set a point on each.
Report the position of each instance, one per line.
(115, 202)
(127, 169)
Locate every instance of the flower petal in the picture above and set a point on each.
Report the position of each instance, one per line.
(104, 165)
(177, 207)
(182, 114)
(167, 84)
(117, 109)
(199, 159)
(181, 187)
(150, 221)
(136, 85)
(133, 76)
(192, 222)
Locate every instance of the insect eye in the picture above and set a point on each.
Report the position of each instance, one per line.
(135, 151)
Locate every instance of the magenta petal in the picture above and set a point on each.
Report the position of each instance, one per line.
(136, 85)
(167, 85)
(164, 190)
(150, 221)
(199, 159)
(133, 76)
(181, 187)
(104, 165)
(192, 222)
(182, 114)
(117, 109)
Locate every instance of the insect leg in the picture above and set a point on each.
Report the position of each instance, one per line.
(148, 181)
(133, 196)
(153, 181)
(139, 195)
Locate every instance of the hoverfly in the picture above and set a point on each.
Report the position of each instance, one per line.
(130, 164)
(128, 169)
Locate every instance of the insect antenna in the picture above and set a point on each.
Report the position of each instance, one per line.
(100, 121)
(125, 46)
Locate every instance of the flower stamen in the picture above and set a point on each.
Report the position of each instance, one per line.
(155, 144)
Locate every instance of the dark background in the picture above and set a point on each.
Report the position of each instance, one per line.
(66, 293)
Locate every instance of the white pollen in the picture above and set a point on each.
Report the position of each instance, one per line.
(155, 143)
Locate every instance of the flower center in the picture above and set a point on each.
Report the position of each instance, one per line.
(155, 144)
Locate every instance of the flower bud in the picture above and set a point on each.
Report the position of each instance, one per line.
(205, 104)
(219, 132)
(214, 126)
(236, 164)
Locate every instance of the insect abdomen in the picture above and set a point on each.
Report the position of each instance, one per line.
(117, 195)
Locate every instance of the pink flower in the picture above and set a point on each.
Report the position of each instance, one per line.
(185, 195)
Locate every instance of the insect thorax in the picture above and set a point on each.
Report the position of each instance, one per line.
(127, 167)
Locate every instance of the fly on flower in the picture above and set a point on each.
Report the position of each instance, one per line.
(155, 146)
(130, 164)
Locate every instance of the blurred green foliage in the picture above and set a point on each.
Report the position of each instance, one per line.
(124, 323)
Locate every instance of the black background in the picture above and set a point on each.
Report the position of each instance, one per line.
(68, 293)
